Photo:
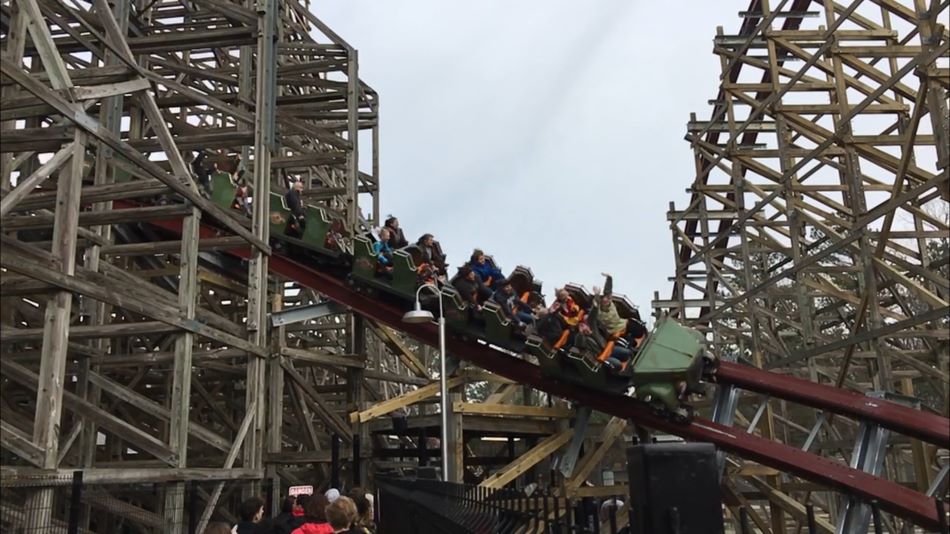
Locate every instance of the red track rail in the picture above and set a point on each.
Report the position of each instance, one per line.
(892, 497)
(915, 423)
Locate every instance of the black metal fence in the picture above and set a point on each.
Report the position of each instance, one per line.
(432, 506)
(69, 505)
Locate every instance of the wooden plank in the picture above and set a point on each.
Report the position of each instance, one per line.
(96, 218)
(165, 247)
(512, 410)
(373, 374)
(98, 498)
(144, 328)
(527, 460)
(105, 90)
(402, 401)
(323, 358)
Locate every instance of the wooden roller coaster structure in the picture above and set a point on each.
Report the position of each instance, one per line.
(813, 246)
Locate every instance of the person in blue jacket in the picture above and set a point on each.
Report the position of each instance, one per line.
(487, 274)
(384, 255)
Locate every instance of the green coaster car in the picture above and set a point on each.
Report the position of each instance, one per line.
(490, 323)
(669, 365)
(402, 280)
(321, 233)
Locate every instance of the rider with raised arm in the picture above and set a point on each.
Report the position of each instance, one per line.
(612, 323)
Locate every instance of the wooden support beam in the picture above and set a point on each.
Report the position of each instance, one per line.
(19, 443)
(611, 432)
(789, 504)
(228, 464)
(318, 404)
(323, 358)
(388, 337)
(50, 382)
(402, 401)
(527, 460)
(99, 498)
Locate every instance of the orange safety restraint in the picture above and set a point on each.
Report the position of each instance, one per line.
(566, 334)
(609, 346)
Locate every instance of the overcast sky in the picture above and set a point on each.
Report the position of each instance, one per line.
(548, 133)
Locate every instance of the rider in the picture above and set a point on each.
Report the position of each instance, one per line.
(488, 275)
(384, 255)
(609, 320)
(297, 222)
(511, 306)
(397, 239)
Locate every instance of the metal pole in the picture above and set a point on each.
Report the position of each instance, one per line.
(443, 392)
(334, 461)
(75, 503)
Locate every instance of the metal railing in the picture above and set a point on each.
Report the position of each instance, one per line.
(432, 506)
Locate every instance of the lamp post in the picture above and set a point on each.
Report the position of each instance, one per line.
(418, 315)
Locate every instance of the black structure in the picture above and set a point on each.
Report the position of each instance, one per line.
(675, 489)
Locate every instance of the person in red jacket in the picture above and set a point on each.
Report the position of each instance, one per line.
(315, 516)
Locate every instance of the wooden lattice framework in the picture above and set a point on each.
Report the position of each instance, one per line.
(815, 238)
(121, 348)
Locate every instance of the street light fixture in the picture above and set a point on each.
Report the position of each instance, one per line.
(416, 316)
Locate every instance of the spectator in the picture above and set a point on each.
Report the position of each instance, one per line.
(342, 514)
(286, 522)
(332, 495)
(364, 509)
(251, 512)
(397, 239)
(314, 516)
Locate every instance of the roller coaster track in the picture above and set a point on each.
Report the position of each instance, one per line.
(891, 496)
